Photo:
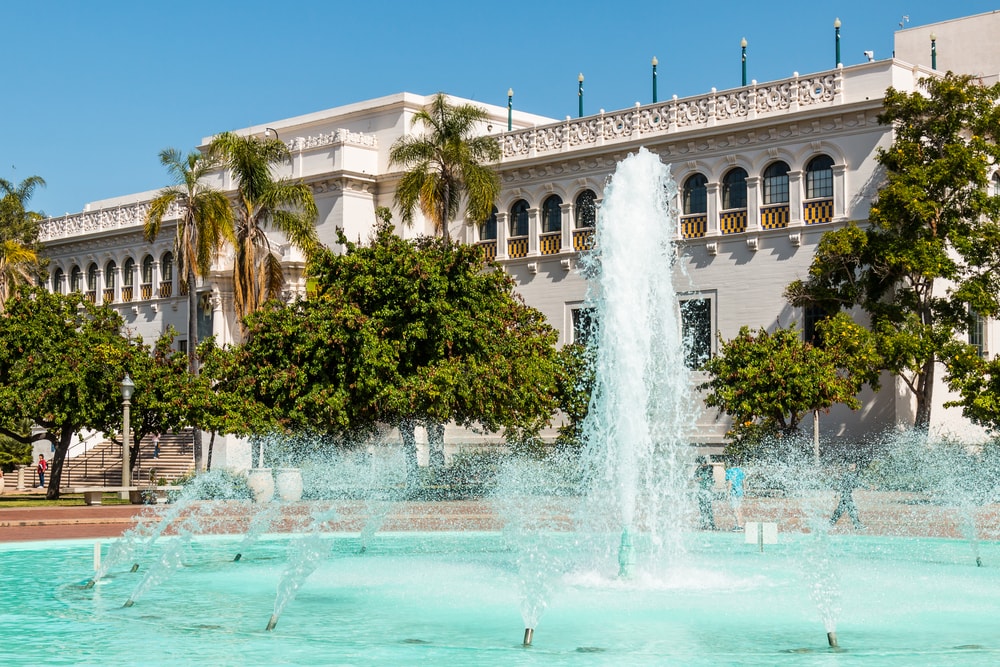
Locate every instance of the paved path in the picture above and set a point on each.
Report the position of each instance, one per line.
(56, 523)
(883, 514)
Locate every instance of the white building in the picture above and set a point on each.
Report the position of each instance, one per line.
(764, 170)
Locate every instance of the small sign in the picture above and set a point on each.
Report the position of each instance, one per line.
(760, 533)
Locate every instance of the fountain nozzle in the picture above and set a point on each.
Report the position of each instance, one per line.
(273, 622)
(529, 634)
(832, 638)
(90, 584)
(128, 603)
(626, 555)
(135, 567)
(238, 557)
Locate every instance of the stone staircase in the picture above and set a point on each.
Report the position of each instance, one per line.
(102, 465)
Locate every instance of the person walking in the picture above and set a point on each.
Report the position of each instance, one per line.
(849, 481)
(705, 479)
(156, 445)
(736, 485)
(42, 467)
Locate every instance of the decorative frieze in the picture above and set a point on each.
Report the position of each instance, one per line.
(754, 101)
(105, 219)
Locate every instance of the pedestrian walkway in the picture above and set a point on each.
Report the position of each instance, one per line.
(19, 524)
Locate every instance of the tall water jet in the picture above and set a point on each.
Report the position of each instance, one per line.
(641, 411)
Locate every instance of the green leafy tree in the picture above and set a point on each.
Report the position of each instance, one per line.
(61, 364)
(62, 361)
(931, 250)
(400, 332)
(767, 382)
(204, 227)
(446, 164)
(262, 203)
(977, 381)
(574, 385)
(16, 452)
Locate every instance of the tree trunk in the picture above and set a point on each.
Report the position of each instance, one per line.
(435, 446)
(925, 395)
(192, 324)
(406, 432)
(196, 445)
(58, 460)
(211, 446)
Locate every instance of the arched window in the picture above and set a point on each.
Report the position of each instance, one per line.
(167, 267)
(734, 189)
(552, 214)
(695, 194)
(109, 274)
(586, 209)
(57, 280)
(776, 184)
(519, 218)
(92, 278)
(996, 185)
(819, 178)
(128, 272)
(147, 269)
(75, 279)
(488, 230)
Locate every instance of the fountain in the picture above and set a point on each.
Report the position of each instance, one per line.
(597, 548)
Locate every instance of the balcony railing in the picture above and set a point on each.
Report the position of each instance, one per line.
(109, 295)
(517, 247)
(694, 226)
(817, 210)
(489, 249)
(733, 222)
(774, 217)
(550, 242)
(583, 239)
(146, 291)
(166, 288)
(127, 292)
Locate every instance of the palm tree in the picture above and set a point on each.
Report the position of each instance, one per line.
(445, 164)
(262, 202)
(206, 223)
(16, 262)
(16, 221)
(18, 235)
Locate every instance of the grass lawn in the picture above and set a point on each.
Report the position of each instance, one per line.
(67, 500)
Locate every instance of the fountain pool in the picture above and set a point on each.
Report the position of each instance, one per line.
(452, 597)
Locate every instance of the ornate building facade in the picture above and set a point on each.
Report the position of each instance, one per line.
(763, 172)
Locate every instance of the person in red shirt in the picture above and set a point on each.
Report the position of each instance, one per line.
(42, 467)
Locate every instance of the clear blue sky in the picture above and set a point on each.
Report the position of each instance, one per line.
(95, 89)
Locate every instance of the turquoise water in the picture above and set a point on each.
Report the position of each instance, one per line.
(452, 598)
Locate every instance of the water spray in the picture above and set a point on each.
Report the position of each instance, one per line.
(529, 634)
(626, 555)
(831, 637)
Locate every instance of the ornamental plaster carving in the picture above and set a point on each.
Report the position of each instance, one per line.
(677, 114)
(106, 219)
